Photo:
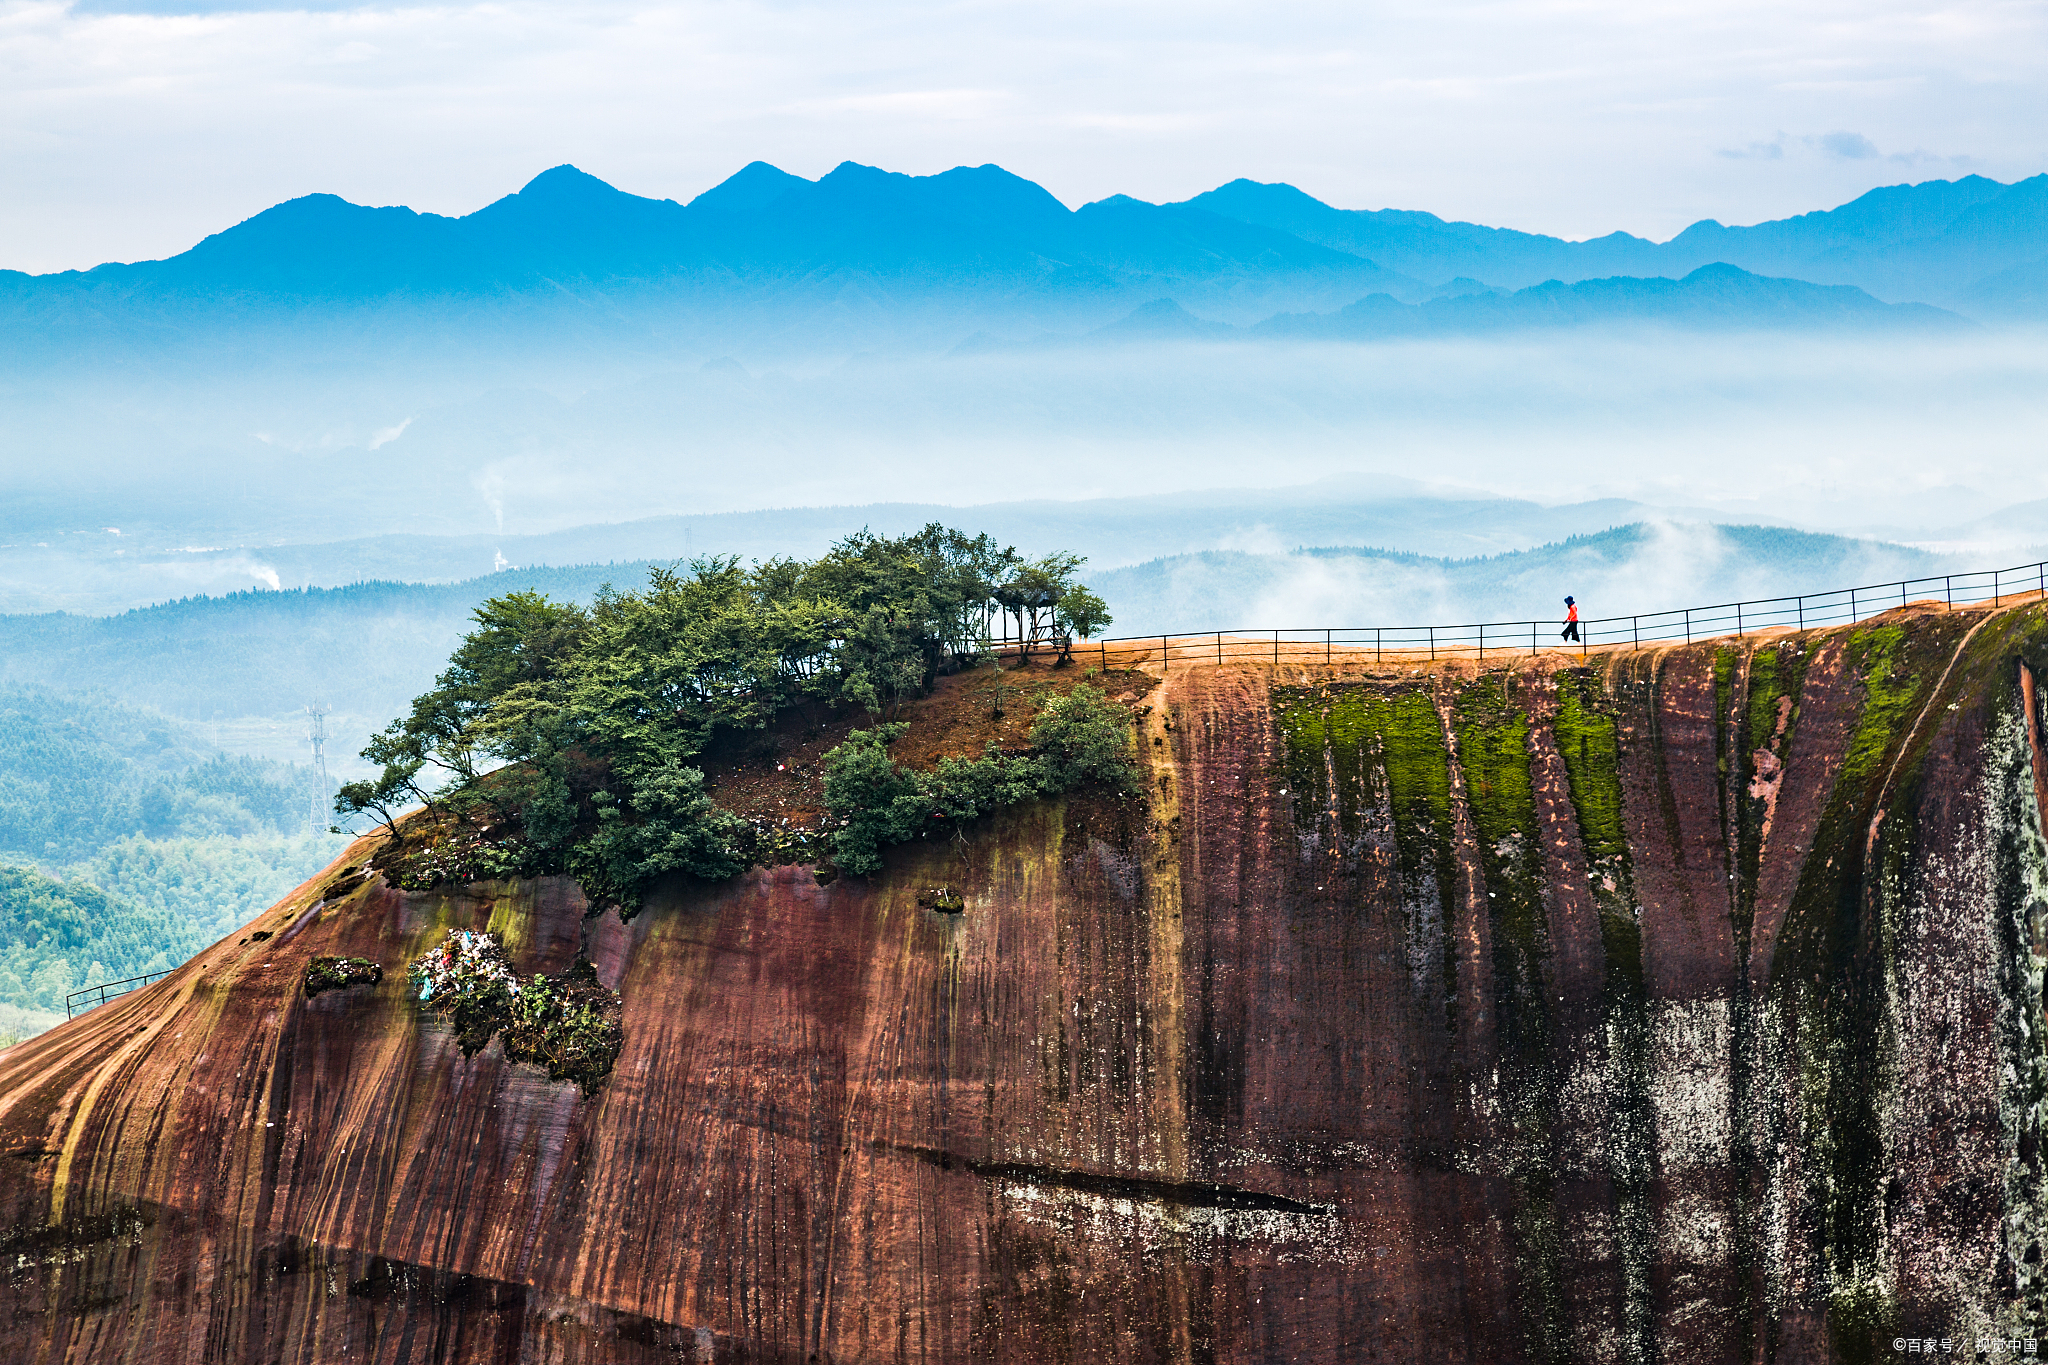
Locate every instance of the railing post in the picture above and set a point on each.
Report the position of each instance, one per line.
(1219, 649)
(1276, 649)
(1635, 629)
(1482, 644)
(1103, 645)
(1164, 649)
(1688, 625)
(1432, 644)
(1326, 647)
(1994, 587)
(1378, 655)
(1532, 639)
(1902, 594)
(1738, 620)
(1948, 590)
(1852, 606)
(1801, 608)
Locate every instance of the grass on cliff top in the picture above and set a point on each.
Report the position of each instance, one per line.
(778, 773)
(774, 778)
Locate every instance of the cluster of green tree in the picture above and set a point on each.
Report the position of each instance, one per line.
(1079, 738)
(601, 710)
(78, 773)
(57, 936)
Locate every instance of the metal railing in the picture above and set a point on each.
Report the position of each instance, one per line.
(1501, 639)
(91, 997)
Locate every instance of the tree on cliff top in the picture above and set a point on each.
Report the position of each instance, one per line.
(602, 712)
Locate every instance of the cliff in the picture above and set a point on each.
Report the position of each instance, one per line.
(1684, 1006)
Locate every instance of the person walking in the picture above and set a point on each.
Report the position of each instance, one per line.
(1571, 621)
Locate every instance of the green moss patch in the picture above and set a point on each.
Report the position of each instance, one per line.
(1891, 698)
(1379, 744)
(1493, 751)
(1494, 754)
(1588, 739)
(339, 973)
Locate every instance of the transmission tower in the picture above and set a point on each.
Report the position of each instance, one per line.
(316, 735)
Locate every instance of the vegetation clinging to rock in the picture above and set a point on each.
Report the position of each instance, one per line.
(1078, 739)
(568, 1024)
(338, 973)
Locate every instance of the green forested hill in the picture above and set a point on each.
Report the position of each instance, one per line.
(213, 883)
(77, 773)
(56, 936)
(125, 847)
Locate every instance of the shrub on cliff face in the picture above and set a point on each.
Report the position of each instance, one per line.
(1080, 739)
(568, 1024)
(1084, 737)
(339, 973)
(602, 711)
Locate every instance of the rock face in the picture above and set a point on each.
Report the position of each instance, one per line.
(1685, 1007)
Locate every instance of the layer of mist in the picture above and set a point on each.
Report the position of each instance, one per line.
(1644, 568)
(247, 664)
(209, 483)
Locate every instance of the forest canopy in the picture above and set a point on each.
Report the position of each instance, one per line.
(583, 726)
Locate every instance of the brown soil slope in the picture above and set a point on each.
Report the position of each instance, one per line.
(1684, 1007)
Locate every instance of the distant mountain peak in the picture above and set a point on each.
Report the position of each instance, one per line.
(753, 186)
(566, 181)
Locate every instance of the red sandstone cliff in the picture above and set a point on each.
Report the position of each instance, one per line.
(1687, 1007)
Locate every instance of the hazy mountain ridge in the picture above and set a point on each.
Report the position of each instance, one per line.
(1938, 241)
(864, 253)
(762, 251)
(109, 574)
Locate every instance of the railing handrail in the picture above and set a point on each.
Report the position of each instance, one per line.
(105, 991)
(1798, 611)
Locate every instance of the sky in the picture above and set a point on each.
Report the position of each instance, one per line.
(129, 129)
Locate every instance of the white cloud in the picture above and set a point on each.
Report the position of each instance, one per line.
(132, 135)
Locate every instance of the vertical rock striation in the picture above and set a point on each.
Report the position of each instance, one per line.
(1686, 1006)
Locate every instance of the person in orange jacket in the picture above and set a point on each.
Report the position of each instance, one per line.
(1571, 620)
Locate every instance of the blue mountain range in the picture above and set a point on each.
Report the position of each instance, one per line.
(864, 257)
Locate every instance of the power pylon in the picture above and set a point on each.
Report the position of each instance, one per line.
(318, 814)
